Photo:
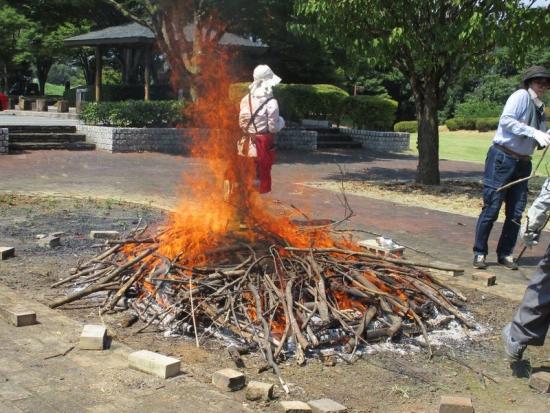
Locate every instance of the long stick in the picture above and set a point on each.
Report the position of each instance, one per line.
(109, 277)
(193, 311)
(508, 185)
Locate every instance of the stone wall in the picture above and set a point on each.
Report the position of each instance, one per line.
(164, 140)
(296, 139)
(4, 141)
(380, 141)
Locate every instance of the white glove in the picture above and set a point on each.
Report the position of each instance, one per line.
(543, 139)
(280, 123)
(530, 238)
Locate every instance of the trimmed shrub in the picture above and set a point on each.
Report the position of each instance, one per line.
(327, 102)
(134, 113)
(461, 124)
(410, 126)
(371, 112)
(478, 109)
(487, 124)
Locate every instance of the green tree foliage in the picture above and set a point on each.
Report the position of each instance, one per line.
(429, 41)
(12, 24)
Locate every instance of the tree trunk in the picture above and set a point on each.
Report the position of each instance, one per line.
(427, 172)
(42, 70)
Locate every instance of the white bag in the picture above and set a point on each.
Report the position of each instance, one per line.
(247, 147)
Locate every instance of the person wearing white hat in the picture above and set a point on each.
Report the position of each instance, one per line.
(259, 120)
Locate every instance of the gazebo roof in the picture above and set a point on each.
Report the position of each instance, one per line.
(134, 33)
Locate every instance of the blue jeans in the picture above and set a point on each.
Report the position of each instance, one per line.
(500, 169)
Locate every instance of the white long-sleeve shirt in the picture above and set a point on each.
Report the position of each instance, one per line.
(267, 120)
(513, 130)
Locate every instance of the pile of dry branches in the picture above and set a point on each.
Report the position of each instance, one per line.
(268, 294)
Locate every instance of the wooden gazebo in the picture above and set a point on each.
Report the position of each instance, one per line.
(134, 35)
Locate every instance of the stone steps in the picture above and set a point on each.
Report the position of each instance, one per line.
(46, 137)
(72, 146)
(35, 137)
(339, 144)
(41, 129)
(334, 138)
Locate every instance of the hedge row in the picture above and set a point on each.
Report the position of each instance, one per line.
(134, 113)
(480, 124)
(297, 101)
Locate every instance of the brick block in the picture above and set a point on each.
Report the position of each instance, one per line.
(154, 363)
(326, 406)
(486, 278)
(451, 269)
(294, 406)
(6, 252)
(540, 381)
(49, 242)
(455, 404)
(228, 380)
(104, 234)
(18, 317)
(93, 337)
(257, 390)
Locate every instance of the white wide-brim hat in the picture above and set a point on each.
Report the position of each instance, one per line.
(264, 76)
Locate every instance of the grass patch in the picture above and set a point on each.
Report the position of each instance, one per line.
(54, 90)
(468, 146)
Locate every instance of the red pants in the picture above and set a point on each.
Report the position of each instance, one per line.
(3, 102)
(265, 145)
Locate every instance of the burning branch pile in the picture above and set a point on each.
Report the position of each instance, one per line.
(266, 294)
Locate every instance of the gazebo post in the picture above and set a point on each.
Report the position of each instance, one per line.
(98, 73)
(147, 73)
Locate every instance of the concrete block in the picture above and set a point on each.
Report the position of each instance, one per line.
(49, 242)
(326, 406)
(6, 252)
(486, 278)
(104, 234)
(453, 270)
(18, 317)
(540, 381)
(228, 380)
(93, 337)
(294, 406)
(154, 363)
(455, 404)
(257, 390)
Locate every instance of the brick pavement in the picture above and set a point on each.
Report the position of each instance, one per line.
(31, 380)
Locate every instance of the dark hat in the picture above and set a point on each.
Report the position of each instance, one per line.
(535, 72)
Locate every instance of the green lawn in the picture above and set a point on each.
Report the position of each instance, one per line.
(54, 90)
(468, 146)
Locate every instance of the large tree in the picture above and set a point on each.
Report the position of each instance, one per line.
(429, 41)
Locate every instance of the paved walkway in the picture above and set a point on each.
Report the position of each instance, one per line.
(35, 377)
(156, 179)
(10, 118)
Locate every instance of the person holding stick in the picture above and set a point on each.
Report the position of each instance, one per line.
(532, 319)
(520, 130)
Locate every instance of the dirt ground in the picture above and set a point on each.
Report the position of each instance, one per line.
(455, 196)
(385, 381)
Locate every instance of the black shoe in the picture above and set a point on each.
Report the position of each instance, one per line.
(479, 262)
(508, 262)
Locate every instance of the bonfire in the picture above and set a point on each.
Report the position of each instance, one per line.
(226, 260)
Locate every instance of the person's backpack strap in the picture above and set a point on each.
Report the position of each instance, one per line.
(253, 116)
